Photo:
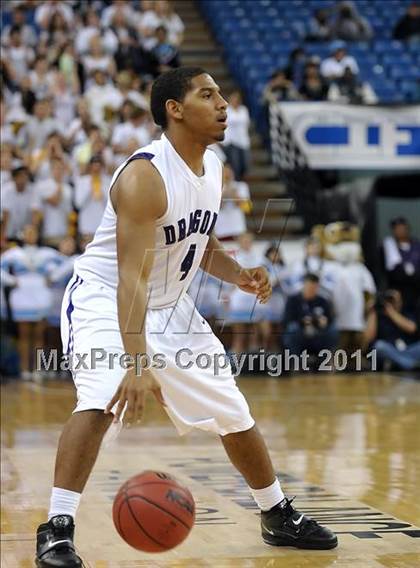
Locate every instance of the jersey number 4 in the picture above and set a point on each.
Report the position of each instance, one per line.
(188, 261)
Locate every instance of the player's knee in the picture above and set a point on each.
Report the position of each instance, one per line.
(97, 420)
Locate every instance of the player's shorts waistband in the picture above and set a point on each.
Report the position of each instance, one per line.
(110, 291)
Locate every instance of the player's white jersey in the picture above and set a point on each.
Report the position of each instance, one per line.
(181, 234)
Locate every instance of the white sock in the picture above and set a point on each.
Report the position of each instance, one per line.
(268, 497)
(63, 502)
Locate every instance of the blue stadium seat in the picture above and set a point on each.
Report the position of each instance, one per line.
(413, 48)
(279, 49)
(258, 36)
(321, 49)
(359, 46)
(396, 59)
(409, 72)
(383, 46)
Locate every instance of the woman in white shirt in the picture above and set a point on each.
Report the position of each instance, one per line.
(91, 192)
(97, 60)
(242, 312)
(30, 298)
(231, 221)
(237, 141)
(161, 14)
(57, 204)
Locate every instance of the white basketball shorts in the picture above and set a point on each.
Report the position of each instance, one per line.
(197, 385)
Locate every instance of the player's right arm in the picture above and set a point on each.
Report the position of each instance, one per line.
(139, 199)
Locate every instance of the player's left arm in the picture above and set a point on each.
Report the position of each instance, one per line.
(217, 262)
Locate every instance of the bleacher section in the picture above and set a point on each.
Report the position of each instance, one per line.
(258, 35)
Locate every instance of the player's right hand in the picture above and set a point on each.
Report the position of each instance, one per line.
(132, 392)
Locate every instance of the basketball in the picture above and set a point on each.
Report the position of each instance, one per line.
(152, 512)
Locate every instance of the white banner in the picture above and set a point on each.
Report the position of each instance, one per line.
(347, 136)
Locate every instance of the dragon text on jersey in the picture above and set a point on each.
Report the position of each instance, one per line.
(197, 223)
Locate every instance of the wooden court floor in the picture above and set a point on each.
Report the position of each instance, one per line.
(346, 445)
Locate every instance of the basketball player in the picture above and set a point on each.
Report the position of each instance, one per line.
(128, 295)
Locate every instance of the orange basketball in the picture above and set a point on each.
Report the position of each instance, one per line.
(152, 512)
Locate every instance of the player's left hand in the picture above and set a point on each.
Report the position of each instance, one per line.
(255, 281)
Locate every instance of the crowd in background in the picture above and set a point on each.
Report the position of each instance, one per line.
(337, 77)
(320, 302)
(307, 78)
(74, 104)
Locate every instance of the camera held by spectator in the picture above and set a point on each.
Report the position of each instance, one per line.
(396, 329)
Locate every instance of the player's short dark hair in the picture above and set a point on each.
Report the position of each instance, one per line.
(311, 277)
(173, 84)
(398, 221)
(15, 28)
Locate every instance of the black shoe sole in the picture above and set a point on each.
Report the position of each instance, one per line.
(41, 564)
(296, 543)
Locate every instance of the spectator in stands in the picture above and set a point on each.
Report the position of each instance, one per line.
(78, 129)
(162, 14)
(97, 60)
(334, 66)
(122, 26)
(8, 77)
(401, 259)
(68, 63)
(350, 89)
(296, 65)
(92, 145)
(166, 53)
(408, 27)
(271, 313)
(279, 88)
(31, 298)
(231, 222)
(123, 9)
(242, 306)
(131, 135)
(59, 272)
(170, 19)
(309, 320)
(319, 26)
(14, 129)
(237, 141)
(6, 130)
(125, 84)
(90, 195)
(56, 205)
(57, 33)
(18, 55)
(349, 24)
(90, 27)
(40, 159)
(6, 160)
(397, 340)
(132, 55)
(41, 78)
(64, 99)
(28, 34)
(20, 203)
(41, 124)
(26, 95)
(313, 87)
(103, 98)
(45, 12)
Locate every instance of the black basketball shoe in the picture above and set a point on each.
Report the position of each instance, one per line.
(54, 544)
(284, 526)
